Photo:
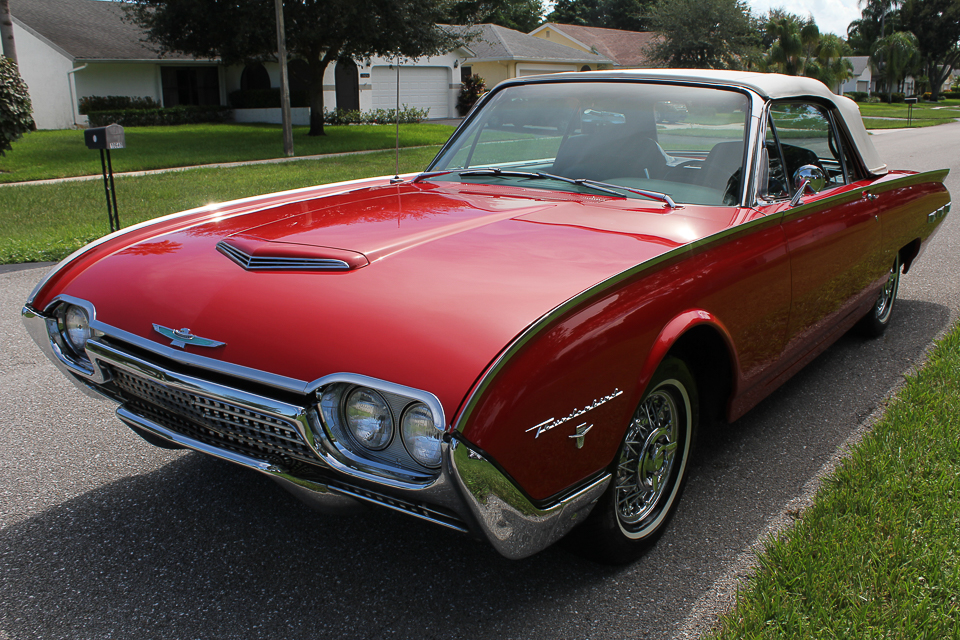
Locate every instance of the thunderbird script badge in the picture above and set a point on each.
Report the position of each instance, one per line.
(183, 337)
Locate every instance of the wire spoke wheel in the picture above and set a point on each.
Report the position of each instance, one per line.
(647, 473)
(647, 457)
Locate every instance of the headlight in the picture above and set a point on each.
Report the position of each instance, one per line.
(76, 328)
(368, 418)
(420, 435)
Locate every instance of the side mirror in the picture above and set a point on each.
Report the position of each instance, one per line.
(810, 178)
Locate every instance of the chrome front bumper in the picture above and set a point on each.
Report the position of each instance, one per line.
(469, 494)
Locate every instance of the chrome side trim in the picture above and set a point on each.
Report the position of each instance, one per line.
(599, 289)
(511, 523)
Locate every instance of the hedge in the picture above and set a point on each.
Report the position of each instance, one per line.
(15, 108)
(91, 104)
(168, 116)
(408, 115)
(265, 99)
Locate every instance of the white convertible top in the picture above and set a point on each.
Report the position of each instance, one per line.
(768, 85)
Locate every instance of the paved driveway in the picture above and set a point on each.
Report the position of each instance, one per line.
(104, 536)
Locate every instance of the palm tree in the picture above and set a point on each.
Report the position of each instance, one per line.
(795, 42)
(901, 55)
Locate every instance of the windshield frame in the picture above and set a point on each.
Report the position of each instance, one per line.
(753, 116)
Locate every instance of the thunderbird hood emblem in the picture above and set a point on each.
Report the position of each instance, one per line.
(183, 337)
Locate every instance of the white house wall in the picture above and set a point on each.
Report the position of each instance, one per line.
(45, 71)
(440, 97)
(133, 79)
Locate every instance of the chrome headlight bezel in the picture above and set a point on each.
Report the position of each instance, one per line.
(332, 393)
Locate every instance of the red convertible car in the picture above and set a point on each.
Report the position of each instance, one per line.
(523, 340)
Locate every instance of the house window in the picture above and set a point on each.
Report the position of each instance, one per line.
(190, 86)
(585, 67)
(465, 73)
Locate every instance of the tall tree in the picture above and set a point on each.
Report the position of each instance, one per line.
(7, 44)
(901, 56)
(703, 34)
(522, 15)
(317, 32)
(794, 42)
(627, 15)
(936, 23)
(829, 64)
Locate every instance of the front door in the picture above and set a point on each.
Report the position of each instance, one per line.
(348, 85)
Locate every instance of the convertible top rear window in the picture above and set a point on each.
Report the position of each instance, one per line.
(686, 142)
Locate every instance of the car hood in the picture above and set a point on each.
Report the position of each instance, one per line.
(439, 278)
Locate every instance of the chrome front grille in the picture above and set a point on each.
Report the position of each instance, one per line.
(212, 421)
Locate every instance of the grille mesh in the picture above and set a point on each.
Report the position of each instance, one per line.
(214, 422)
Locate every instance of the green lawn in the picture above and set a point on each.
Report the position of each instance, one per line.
(48, 222)
(58, 154)
(878, 554)
(894, 116)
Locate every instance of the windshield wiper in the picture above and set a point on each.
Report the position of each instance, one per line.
(605, 187)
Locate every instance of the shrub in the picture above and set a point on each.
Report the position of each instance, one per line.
(951, 95)
(896, 96)
(408, 115)
(168, 116)
(872, 100)
(89, 104)
(857, 96)
(470, 91)
(265, 99)
(15, 107)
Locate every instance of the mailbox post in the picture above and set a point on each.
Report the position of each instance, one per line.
(910, 102)
(105, 139)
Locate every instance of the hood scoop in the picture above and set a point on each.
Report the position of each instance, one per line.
(255, 254)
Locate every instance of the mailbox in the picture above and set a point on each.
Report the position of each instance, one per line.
(910, 100)
(109, 137)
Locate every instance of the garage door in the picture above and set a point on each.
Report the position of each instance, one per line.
(421, 87)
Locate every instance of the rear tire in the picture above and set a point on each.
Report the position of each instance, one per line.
(876, 321)
(648, 473)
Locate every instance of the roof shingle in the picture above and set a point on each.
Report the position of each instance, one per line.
(87, 29)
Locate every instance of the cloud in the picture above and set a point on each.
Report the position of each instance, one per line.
(832, 16)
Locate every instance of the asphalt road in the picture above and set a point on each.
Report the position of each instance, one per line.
(104, 536)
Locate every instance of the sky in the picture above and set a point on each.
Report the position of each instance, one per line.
(832, 16)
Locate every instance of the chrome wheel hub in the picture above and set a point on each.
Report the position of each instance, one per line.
(888, 294)
(647, 457)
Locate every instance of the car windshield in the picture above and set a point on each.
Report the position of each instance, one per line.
(684, 142)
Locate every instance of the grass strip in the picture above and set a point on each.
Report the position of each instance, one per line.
(878, 553)
(59, 154)
(882, 123)
(48, 222)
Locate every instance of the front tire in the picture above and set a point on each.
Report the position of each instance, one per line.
(876, 321)
(648, 472)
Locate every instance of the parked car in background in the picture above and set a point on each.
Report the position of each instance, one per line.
(524, 339)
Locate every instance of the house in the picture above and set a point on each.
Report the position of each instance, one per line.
(69, 49)
(862, 78)
(626, 49)
(499, 53)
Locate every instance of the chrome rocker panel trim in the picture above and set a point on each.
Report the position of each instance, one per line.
(468, 495)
